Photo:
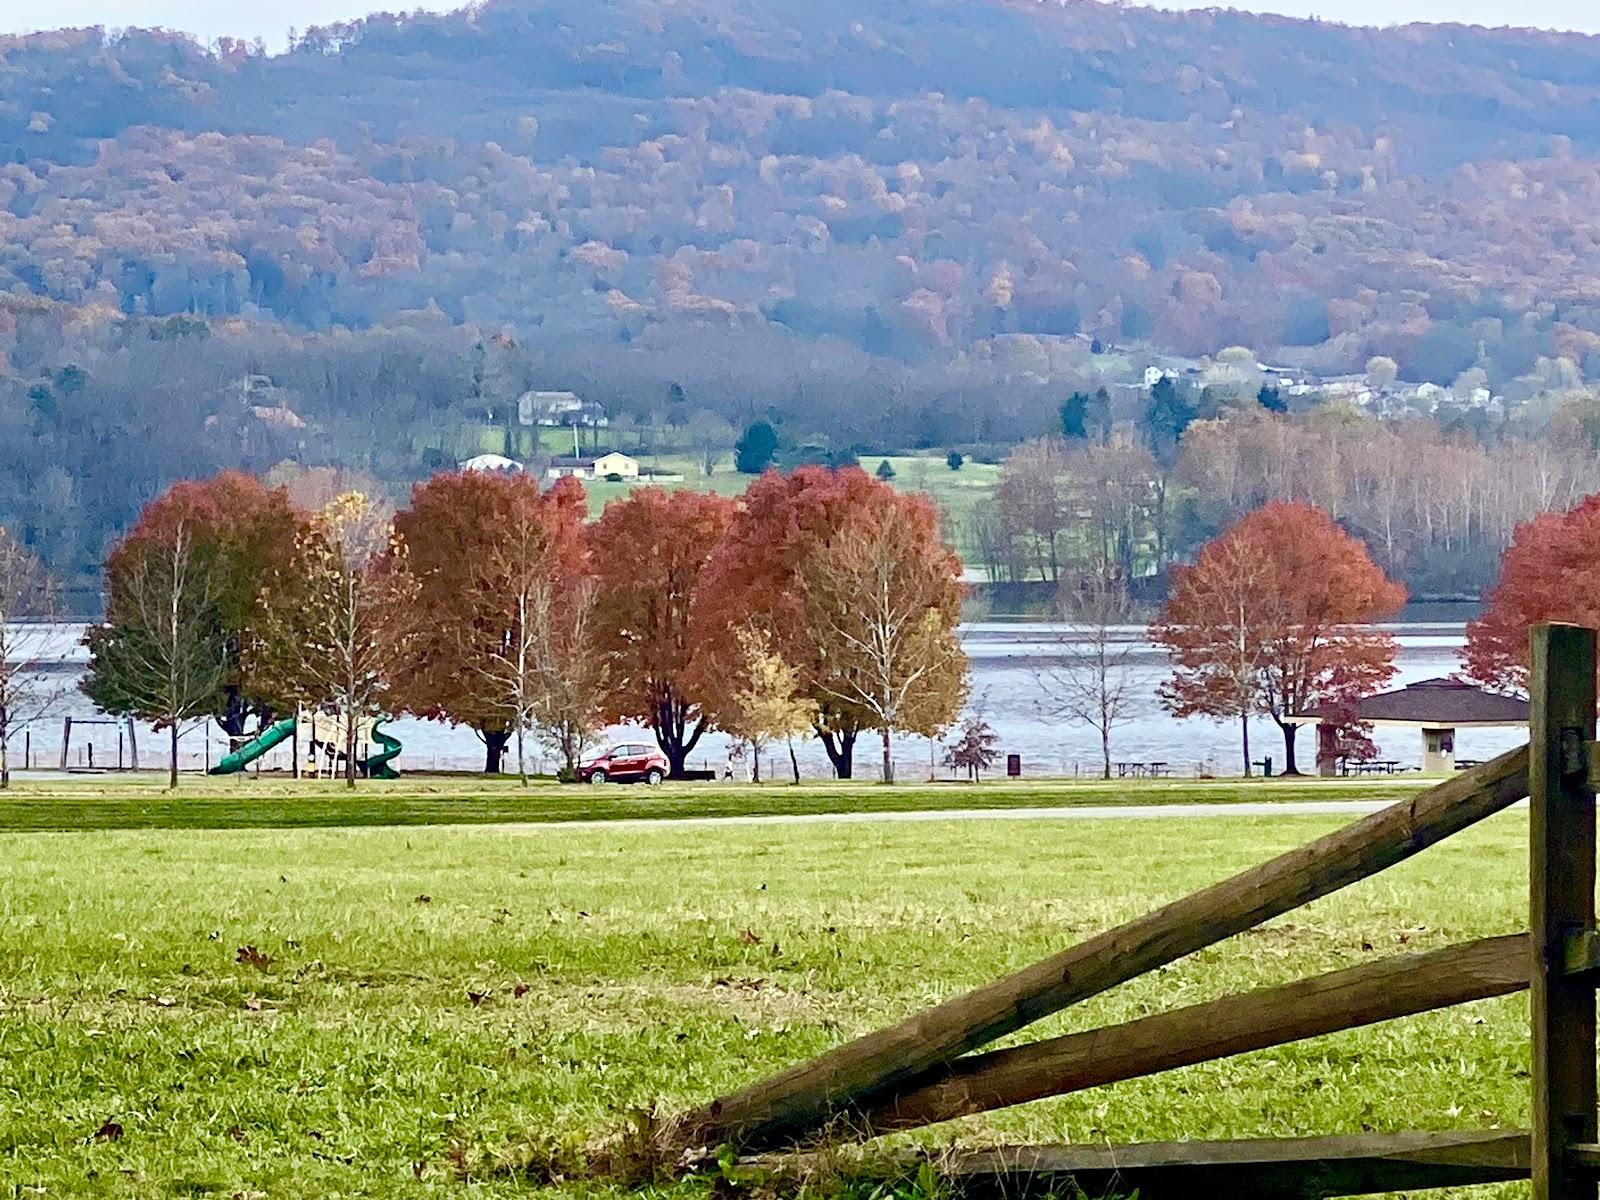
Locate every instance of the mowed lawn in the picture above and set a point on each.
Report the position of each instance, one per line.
(416, 1006)
(245, 801)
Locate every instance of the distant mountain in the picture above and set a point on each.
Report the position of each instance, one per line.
(905, 177)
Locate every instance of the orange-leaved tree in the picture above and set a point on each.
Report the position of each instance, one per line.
(649, 552)
(758, 580)
(484, 549)
(236, 533)
(1550, 572)
(1275, 616)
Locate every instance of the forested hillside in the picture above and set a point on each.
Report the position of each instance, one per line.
(858, 216)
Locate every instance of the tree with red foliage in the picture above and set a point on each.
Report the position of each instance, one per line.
(650, 552)
(1275, 616)
(237, 534)
(758, 578)
(480, 544)
(1550, 572)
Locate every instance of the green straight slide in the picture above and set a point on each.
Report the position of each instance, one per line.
(252, 750)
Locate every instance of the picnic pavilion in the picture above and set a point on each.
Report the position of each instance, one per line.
(1436, 707)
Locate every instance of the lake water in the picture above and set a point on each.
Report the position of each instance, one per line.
(1005, 659)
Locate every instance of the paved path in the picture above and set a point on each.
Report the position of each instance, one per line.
(1086, 812)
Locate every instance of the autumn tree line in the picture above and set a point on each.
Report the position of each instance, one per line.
(823, 604)
(1436, 507)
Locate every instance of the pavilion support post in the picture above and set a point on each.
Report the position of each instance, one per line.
(1561, 907)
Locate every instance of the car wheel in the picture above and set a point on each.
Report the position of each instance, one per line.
(597, 776)
(654, 776)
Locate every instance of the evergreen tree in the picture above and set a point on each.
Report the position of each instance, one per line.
(1166, 418)
(754, 451)
(885, 471)
(1075, 417)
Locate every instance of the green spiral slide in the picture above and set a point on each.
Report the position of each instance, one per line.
(377, 766)
(254, 749)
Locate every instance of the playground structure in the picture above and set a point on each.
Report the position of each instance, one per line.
(327, 736)
(125, 729)
(931, 1068)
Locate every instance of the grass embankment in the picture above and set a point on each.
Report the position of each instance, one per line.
(418, 1002)
(243, 801)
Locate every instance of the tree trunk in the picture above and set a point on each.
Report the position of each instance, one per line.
(888, 762)
(5, 754)
(494, 749)
(1244, 728)
(1289, 731)
(841, 748)
(522, 756)
(673, 735)
(349, 749)
(1105, 751)
(755, 761)
(172, 767)
(794, 762)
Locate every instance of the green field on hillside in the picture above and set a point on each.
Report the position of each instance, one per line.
(388, 1012)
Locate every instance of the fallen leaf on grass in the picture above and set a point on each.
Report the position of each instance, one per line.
(477, 998)
(749, 938)
(424, 899)
(253, 1003)
(520, 990)
(238, 1135)
(161, 1001)
(109, 1132)
(251, 957)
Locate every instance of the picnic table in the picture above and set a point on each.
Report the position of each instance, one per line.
(1143, 770)
(1376, 766)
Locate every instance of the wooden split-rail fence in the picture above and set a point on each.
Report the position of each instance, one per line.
(931, 1067)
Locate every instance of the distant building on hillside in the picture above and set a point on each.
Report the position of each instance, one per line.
(603, 467)
(498, 464)
(560, 408)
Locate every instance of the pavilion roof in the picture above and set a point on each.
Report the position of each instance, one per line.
(1443, 701)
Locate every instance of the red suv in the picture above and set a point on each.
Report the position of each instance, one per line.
(630, 763)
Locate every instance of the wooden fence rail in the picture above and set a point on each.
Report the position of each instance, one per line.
(922, 1070)
(847, 1080)
(1364, 995)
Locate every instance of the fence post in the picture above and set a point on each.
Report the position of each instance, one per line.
(1561, 719)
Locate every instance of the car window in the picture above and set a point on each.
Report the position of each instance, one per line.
(638, 751)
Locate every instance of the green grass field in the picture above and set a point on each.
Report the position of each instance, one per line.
(244, 801)
(387, 1011)
(957, 493)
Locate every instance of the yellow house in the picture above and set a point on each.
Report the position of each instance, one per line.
(615, 463)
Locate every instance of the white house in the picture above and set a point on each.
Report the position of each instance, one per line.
(559, 408)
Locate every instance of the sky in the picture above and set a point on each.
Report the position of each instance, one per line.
(272, 20)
